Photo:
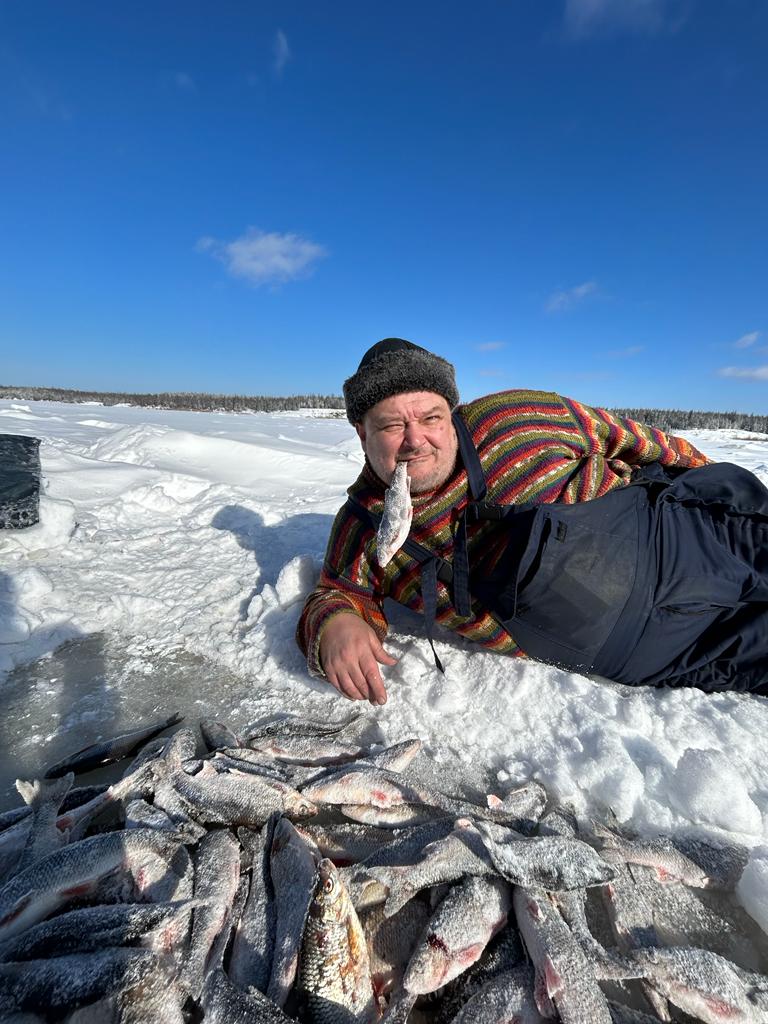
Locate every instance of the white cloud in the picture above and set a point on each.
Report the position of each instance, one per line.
(490, 346)
(747, 339)
(263, 257)
(587, 17)
(281, 50)
(567, 299)
(184, 82)
(745, 373)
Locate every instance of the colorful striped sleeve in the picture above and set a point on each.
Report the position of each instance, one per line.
(347, 584)
(629, 442)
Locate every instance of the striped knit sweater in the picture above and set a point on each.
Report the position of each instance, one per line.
(533, 446)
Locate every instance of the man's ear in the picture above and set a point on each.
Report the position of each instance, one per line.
(361, 433)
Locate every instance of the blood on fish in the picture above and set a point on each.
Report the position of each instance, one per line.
(380, 797)
(78, 890)
(437, 943)
(17, 909)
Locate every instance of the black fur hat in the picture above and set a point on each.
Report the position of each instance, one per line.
(392, 367)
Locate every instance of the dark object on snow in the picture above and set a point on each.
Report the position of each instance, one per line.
(19, 481)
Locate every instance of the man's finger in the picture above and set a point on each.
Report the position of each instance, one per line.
(380, 654)
(358, 676)
(377, 693)
(342, 682)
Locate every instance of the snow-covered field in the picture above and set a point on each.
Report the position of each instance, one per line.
(173, 554)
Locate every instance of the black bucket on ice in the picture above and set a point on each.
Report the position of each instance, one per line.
(19, 481)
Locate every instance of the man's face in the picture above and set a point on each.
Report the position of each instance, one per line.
(415, 428)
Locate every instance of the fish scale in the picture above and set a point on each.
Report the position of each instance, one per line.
(334, 969)
(397, 516)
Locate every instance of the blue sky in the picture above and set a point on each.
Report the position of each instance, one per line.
(239, 197)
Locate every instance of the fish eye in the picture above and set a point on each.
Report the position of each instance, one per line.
(328, 885)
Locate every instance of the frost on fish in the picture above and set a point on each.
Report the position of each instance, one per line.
(703, 984)
(397, 516)
(565, 978)
(460, 929)
(550, 862)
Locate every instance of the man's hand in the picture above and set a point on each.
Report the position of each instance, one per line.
(349, 652)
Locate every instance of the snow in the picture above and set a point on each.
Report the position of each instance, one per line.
(172, 558)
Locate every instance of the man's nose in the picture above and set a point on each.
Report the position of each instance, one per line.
(413, 438)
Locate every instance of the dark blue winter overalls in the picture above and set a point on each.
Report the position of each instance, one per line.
(661, 582)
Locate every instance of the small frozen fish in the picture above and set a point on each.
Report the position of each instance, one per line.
(698, 861)
(395, 522)
(565, 978)
(460, 929)
(293, 874)
(108, 751)
(703, 984)
(334, 970)
(550, 862)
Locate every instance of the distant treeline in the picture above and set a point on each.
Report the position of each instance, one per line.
(184, 400)
(664, 419)
(671, 420)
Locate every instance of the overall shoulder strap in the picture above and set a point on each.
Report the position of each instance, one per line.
(477, 490)
(475, 475)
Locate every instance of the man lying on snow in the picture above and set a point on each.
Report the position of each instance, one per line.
(541, 527)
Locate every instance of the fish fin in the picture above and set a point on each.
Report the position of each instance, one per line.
(29, 791)
(552, 979)
(470, 954)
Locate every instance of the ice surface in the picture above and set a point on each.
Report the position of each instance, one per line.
(171, 559)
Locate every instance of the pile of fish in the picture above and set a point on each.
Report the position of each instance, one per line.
(297, 874)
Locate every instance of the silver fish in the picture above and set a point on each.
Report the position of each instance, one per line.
(565, 979)
(460, 929)
(445, 860)
(293, 870)
(92, 928)
(45, 798)
(65, 982)
(77, 869)
(391, 941)
(697, 861)
(250, 963)
(548, 862)
(108, 751)
(239, 798)
(297, 725)
(397, 516)
(217, 873)
(703, 984)
(308, 750)
(334, 970)
(507, 997)
(346, 843)
(225, 1003)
